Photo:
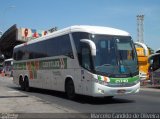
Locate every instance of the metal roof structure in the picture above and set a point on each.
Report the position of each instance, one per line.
(8, 41)
(15, 36)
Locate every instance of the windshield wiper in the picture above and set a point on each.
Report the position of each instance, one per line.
(103, 65)
(104, 73)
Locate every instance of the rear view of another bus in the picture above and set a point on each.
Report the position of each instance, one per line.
(154, 68)
(8, 67)
(143, 54)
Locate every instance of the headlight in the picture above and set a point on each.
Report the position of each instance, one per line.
(101, 82)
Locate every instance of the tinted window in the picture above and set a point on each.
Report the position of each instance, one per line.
(77, 36)
(52, 47)
(37, 50)
(156, 62)
(59, 46)
(19, 54)
(15, 54)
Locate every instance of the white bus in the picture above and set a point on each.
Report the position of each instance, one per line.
(8, 67)
(88, 60)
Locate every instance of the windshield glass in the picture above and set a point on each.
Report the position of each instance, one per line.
(115, 55)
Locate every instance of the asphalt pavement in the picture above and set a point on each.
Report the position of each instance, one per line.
(13, 100)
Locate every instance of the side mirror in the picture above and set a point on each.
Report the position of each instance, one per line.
(91, 45)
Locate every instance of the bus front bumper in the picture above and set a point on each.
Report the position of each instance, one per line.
(102, 90)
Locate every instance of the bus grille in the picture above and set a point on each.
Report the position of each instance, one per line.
(121, 84)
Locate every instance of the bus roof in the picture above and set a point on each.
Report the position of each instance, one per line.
(158, 50)
(98, 30)
(152, 55)
(144, 47)
(82, 28)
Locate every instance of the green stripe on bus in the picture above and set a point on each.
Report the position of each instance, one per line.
(129, 80)
(60, 63)
(54, 64)
(19, 66)
(99, 78)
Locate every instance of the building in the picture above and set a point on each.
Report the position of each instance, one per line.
(14, 36)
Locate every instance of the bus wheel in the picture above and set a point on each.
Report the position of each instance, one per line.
(21, 83)
(70, 91)
(26, 84)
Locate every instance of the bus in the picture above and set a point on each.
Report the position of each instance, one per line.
(143, 53)
(154, 68)
(8, 67)
(88, 60)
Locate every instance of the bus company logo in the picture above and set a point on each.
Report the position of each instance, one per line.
(62, 64)
(54, 64)
(121, 81)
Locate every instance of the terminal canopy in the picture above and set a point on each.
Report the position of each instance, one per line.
(15, 36)
(8, 41)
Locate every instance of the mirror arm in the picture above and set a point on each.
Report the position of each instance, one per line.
(91, 44)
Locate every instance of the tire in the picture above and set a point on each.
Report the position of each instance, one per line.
(109, 97)
(21, 82)
(26, 85)
(70, 90)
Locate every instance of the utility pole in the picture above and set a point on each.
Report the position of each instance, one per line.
(140, 29)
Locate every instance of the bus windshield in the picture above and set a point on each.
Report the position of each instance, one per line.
(115, 56)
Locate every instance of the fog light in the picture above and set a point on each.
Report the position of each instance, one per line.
(137, 90)
(101, 91)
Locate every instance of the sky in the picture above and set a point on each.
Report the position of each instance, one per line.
(121, 14)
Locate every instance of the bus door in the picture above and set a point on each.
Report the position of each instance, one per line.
(86, 63)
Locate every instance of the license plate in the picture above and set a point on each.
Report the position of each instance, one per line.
(121, 91)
